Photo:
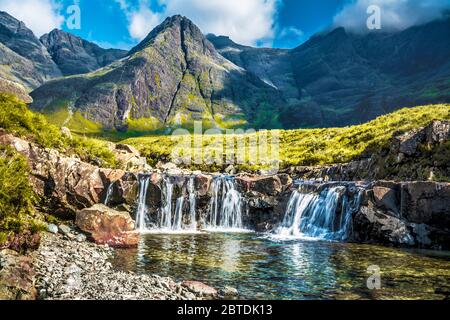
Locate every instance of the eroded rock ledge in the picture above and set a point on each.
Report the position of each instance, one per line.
(414, 214)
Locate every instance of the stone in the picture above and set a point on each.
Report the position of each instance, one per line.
(228, 292)
(17, 276)
(199, 288)
(437, 132)
(386, 198)
(52, 228)
(65, 230)
(80, 238)
(270, 185)
(108, 226)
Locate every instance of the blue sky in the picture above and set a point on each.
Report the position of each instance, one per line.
(271, 23)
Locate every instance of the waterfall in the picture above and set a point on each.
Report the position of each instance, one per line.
(192, 203)
(109, 194)
(324, 215)
(166, 210)
(142, 204)
(226, 205)
(178, 218)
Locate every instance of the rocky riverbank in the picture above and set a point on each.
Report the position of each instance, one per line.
(71, 270)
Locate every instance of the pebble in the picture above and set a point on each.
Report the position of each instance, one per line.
(65, 230)
(52, 228)
(73, 270)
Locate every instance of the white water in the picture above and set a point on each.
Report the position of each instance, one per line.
(319, 216)
(109, 194)
(192, 203)
(142, 204)
(226, 206)
(166, 210)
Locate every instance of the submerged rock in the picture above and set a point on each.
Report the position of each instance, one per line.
(200, 288)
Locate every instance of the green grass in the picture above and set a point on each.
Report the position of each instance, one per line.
(17, 197)
(17, 119)
(306, 147)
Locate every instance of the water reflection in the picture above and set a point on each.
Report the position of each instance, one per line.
(264, 269)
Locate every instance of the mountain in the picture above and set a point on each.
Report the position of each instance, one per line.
(177, 75)
(338, 78)
(74, 55)
(173, 77)
(23, 58)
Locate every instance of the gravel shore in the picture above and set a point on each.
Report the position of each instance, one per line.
(71, 270)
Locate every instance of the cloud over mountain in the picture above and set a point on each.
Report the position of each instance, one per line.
(395, 14)
(41, 16)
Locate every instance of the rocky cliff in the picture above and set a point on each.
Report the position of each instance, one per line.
(172, 77)
(74, 55)
(23, 58)
(409, 214)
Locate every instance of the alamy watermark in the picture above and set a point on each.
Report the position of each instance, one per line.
(73, 16)
(229, 147)
(374, 280)
(374, 20)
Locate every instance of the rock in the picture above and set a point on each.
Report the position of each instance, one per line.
(17, 276)
(108, 226)
(129, 157)
(270, 185)
(80, 238)
(228, 292)
(386, 198)
(168, 166)
(203, 184)
(65, 230)
(199, 288)
(230, 170)
(437, 132)
(426, 202)
(409, 141)
(52, 228)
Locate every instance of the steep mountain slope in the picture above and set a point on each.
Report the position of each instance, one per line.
(74, 55)
(339, 78)
(172, 77)
(23, 58)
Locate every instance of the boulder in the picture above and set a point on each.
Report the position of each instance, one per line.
(108, 226)
(203, 184)
(386, 198)
(270, 185)
(426, 202)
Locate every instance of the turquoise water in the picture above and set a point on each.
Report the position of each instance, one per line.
(264, 268)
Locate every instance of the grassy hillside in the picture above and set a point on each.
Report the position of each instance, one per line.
(16, 118)
(309, 146)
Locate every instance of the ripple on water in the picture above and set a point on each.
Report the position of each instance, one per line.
(264, 267)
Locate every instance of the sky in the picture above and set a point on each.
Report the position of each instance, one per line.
(263, 23)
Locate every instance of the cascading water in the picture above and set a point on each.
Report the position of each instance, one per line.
(109, 194)
(226, 205)
(192, 203)
(166, 210)
(142, 204)
(323, 215)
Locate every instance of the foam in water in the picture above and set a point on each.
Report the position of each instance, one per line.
(326, 215)
(226, 206)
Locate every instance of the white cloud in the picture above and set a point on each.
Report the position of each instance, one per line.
(141, 19)
(41, 16)
(248, 22)
(395, 14)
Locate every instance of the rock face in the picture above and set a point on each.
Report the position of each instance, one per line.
(173, 76)
(338, 78)
(415, 214)
(27, 60)
(415, 155)
(74, 55)
(107, 226)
